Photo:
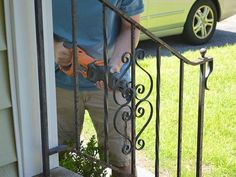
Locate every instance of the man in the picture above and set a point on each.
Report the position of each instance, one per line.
(90, 38)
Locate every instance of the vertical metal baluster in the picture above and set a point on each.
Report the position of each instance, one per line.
(133, 82)
(200, 119)
(158, 91)
(181, 87)
(42, 87)
(75, 64)
(105, 51)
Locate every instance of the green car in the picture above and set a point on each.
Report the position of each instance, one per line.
(195, 19)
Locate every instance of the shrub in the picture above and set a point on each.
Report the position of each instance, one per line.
(82, 165)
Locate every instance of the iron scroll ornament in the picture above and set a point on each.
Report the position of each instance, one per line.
(140, 94)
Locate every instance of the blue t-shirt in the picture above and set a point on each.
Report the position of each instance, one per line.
(90, 30)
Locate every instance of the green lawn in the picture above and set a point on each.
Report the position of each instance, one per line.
(219, 146)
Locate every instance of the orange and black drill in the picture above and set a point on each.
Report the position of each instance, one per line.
(94, 70)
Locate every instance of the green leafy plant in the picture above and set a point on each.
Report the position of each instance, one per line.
(82, 165)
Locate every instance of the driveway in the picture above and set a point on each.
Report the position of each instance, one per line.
(225, 34)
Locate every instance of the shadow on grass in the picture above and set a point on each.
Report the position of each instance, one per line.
(220, 38)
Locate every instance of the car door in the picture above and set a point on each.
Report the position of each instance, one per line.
(166, 17)
(165, 14)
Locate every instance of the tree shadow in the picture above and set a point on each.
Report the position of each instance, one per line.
(220, 38)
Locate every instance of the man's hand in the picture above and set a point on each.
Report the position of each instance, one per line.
(113, 69)
(63, 56)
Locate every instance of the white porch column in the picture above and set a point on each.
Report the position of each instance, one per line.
(21, 34)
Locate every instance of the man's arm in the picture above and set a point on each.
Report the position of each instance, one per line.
(123, 43)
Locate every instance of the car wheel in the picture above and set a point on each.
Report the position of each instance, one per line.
(201, 22)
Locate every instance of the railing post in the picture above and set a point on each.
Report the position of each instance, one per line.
(42, 87)
(133, 103)
(202, 84)
(180, 122)
(75, 64)
(158, 87)
(105, 59)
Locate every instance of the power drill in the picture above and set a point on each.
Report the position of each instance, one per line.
(94, 70)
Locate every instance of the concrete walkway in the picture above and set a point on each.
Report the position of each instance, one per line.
(144, 173)
(141, 172)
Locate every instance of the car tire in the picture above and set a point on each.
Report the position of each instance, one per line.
(201, 22)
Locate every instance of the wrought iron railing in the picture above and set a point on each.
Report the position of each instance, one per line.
(133, 103)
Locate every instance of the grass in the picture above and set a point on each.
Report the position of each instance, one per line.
(219, 146)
